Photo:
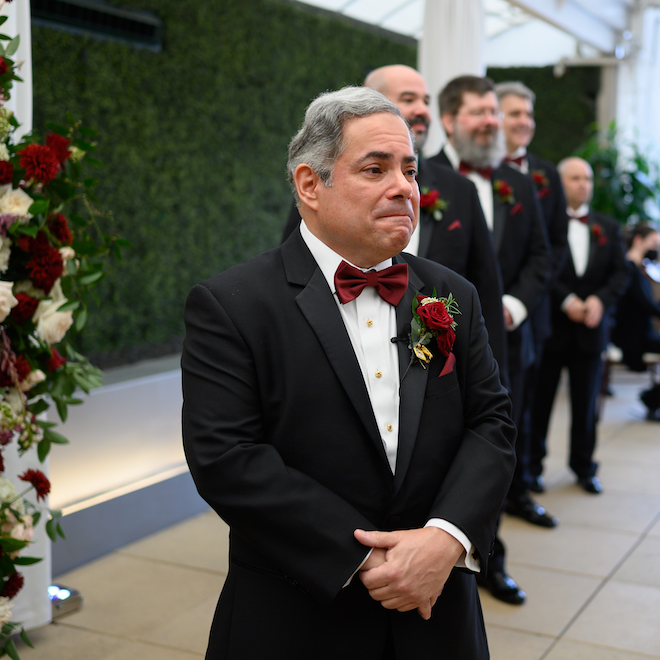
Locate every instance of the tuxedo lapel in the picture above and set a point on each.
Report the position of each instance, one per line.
(317, 303)
(426, 221)
(413, 382)
(499, 223)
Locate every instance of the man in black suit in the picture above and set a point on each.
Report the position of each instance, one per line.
(471, 118)
(359, 483)
(517, 106)
(583, 297)
(452, 230)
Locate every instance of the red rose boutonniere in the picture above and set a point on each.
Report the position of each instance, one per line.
(429, 200)
(432, 318)
(542, 183)
(503, 191)
(598, 234)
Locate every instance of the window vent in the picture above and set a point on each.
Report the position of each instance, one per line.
(101, 20)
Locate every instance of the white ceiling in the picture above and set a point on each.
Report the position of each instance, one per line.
(553, 27)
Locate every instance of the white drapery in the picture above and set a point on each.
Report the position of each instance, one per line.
(452, 44)
(31, 606)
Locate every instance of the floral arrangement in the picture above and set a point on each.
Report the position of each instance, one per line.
(542, 183)
(52, 253)
(430, 201)
(433, 318)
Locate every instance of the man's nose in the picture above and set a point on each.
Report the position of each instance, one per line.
(401, 186)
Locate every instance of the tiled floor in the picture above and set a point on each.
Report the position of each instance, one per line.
(593, 583)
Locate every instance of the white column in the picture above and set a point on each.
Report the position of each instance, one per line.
(31, 606)
(452, 44)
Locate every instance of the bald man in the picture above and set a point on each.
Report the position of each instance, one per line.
(583, 297)
(452, 230)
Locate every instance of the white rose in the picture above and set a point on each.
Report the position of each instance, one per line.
(5, 251)
(4, 152)
(7, 300)
(16, 400)
(5, 610)
(34, 377)
(51, 324)
(16, 202)
(8, 493)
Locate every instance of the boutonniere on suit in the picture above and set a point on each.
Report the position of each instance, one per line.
(429, 200)
(433, 318)
(503, 191)
(541, 180)
(597, 232)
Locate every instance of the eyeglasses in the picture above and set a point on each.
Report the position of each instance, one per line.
(480, 114)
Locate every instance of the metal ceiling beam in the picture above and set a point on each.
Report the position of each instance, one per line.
(573, 19)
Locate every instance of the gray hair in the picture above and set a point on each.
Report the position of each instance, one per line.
(515, 88)
(320, 140)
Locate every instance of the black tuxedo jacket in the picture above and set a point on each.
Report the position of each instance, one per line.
(282, 442)
(550, 194)
(460, 240)
(606, 276)
(522, 251)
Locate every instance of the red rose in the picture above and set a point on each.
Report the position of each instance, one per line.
(24, 311)
(434, 315)
(59, 145)
(13, 584)
(429, 198)
(22, 368)
(3, 66)
(25, 243)
(517, 208)
(39, 482)
(39, 162)
(503, 188)
(538, 178)
(6, 172)
(55, 361)
(59, 228)
(45, 266)
(446, 341)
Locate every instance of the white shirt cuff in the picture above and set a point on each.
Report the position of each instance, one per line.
(567, 301)
(355, 572)
(468, 560)
(517, 310)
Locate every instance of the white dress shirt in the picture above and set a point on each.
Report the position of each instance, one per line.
(371, 323)
(520, 152)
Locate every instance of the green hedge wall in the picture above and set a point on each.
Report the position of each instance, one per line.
(194, 143)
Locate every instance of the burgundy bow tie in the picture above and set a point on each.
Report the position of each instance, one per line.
(466, 168)
(584, 219)
(391, 283)
(518, 160)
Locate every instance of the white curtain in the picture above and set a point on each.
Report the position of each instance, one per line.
(452, 44)
(31, 606)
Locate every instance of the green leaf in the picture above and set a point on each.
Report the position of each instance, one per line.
(91, 278)
(92, 161)
(26, 561)
(38, 406)
(13, 45)
(43, 448)
(55, 437)
(88, 132)
(26, 639)
(85, 146)
(3, 19)
(36, 517)
(60, 531)
(81, 319)
(69, 306)
(39, 207)
(62, 410)
(57, 128)
(78, 220)
(11, 650)
(51, 530)
(89, 183)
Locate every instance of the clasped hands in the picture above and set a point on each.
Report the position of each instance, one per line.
(589, 311)
(408, 569)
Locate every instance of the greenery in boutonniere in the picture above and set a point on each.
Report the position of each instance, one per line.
(429, 200)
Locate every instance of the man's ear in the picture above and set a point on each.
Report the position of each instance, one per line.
(448, 120)
(307, 182)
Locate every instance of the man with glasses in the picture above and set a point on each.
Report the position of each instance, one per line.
(471, 117)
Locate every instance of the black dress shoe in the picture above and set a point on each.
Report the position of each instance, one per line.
(526, 508)
(537, 485)
(502, 587)
(591, 485)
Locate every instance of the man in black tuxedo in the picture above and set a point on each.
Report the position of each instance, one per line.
(452, 230)
(361, 486)
(583, 297)
(471, 118)
(517, 106)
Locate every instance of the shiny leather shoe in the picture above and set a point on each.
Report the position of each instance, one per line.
(526, 508)
(537, 485)
(502, 587)
(591, 485)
